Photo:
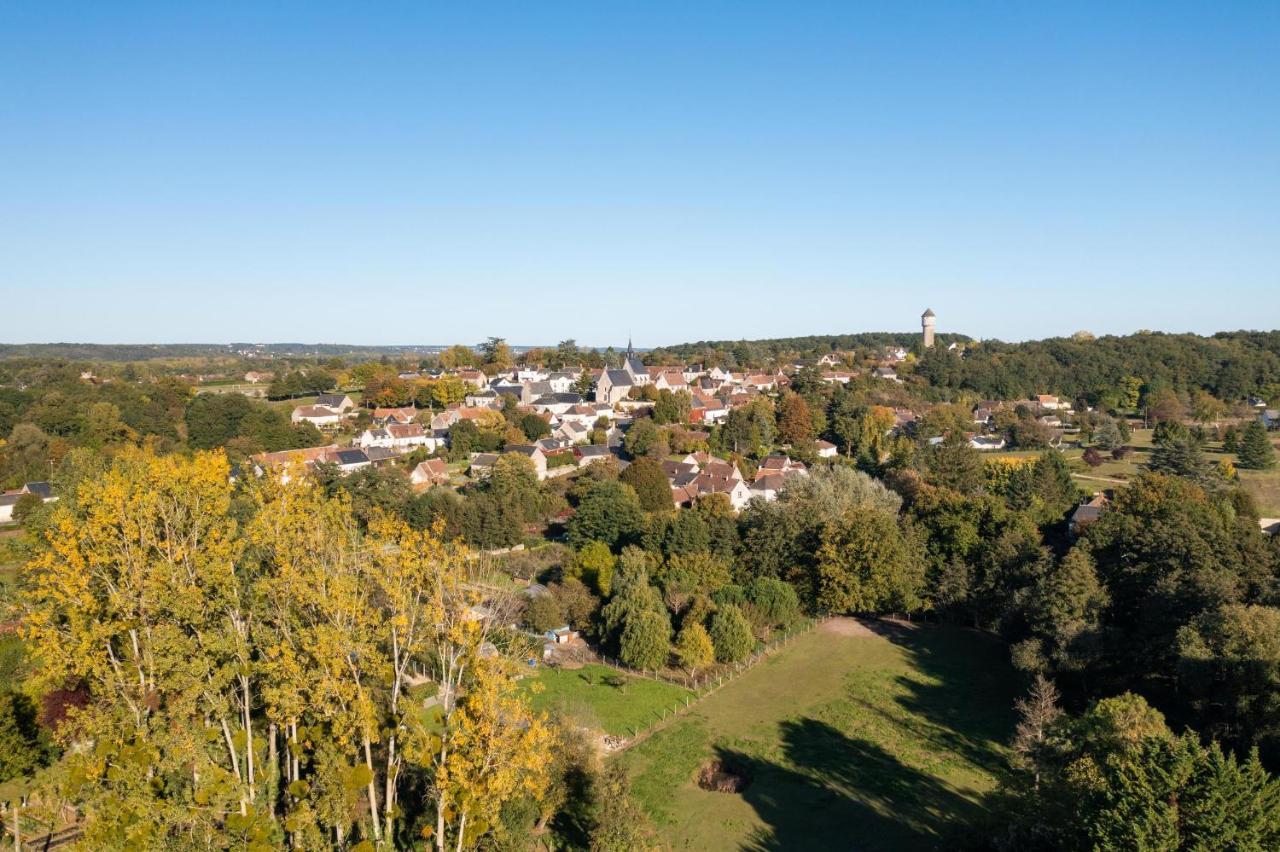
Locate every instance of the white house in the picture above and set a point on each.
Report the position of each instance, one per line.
(320, 416)
(430, 472)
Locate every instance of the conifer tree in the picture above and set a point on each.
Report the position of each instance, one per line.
(1256, 450)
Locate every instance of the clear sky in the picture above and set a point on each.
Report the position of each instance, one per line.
(440, 172)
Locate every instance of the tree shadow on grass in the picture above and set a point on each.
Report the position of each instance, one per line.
(967, 701)
(837, 792)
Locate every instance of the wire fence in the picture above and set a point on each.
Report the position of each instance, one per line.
(704, 686)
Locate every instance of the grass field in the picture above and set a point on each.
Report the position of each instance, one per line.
(588, 694)
(851, 740)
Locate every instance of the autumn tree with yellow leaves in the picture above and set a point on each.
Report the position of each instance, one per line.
(249, 682)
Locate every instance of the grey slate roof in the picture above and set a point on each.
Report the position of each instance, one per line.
(351, 456)
(558, 399)
(43, 490)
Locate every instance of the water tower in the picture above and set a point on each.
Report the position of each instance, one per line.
(927, 322)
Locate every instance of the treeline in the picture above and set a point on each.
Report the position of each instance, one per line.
(153, 351)
(1229, 365)
(736, 354)
(55, 413)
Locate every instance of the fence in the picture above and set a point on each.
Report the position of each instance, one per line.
(702, 687)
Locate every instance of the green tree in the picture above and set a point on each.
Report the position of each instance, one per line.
(646, 640)
(772, 602)
(496, 354)
(867, 564)
(1229, 662)
(534, 426)
(1107, 436)
(731, 634)
(24, 745)
(594, 563)
(632, 594)
(543, 612)
(672, 406)
(954, 464)
(645, 475)
(1177, 452)
(644, 438)
(1256, 449)
(609, 512)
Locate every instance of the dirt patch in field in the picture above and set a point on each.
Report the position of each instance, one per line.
(845, 627)
(719, 777)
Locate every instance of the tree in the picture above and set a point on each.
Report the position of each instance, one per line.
(867, 564)
(27, 503)
(24, 745)
(1038, 711)
(103, 426)
(1229, 662)
(954, 464)
(1107, 436)
(795, 423)
(1256, 450)
(772, 602)
(1163, 406)
(534, 426)
(514, 483)
(1177, 452)
(653, 489)
(672, 406)
(213, 419)
(1066, 605)
(1231, 439)
(646, 640)
(543, 612)
(25, 454)
(609, 512)
(496, 354)
(694, 648)
(138, 596)
(1092, 457)
(457, 356)
(618, 824)
(731, 634)
(576, 601)
(493, 749)
(645, 438)
(749, 429)
(594, 563)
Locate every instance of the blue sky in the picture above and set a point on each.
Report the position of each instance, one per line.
(432, 173)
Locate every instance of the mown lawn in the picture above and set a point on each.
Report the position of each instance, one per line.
(1264, 485)
(884, 740)
(599, 696)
